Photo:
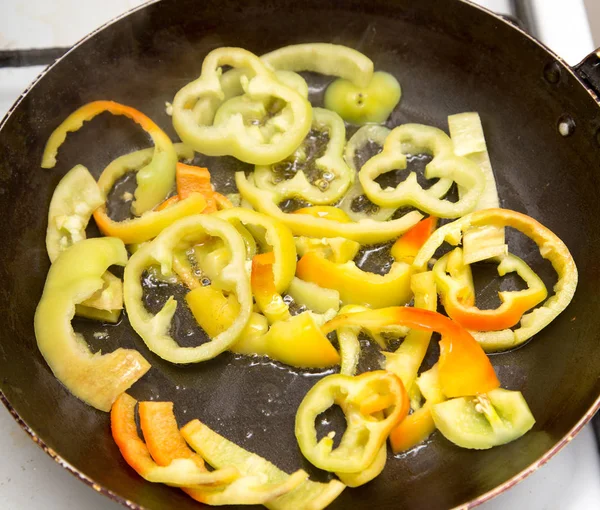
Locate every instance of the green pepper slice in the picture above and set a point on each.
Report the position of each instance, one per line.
(219, 453)
(332, 176)
(154, 329)
(75, 198)
(73, 277)
(361, 105)
(196, 104)
(415, 139)
(155, 180)
(360, 397)
(491, 419)
(364, 232)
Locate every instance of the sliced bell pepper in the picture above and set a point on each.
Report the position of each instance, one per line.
(365, 231)
(361, 105)
(275, 237)
(464, 368)
(355, 203)
(73, 277)
(150, 224)
(155, 180)
(315, 298)
(348, 341)
(407, 359)
(154, 329)
(359, 397)
(407, 246)
(297, 342)
(366, 475)
(219, 452)
(320, 182)
(267, 298)
(215, 313)
(484, 421)
(323, 58)
(514, 303)
(325, 211)
(336, 249)
(355, 285)
(277, 135)
(468, 141)
(419, 425)
(184, 471)
(551, 248)
(194, 179)
(417, 138)
(74, 200)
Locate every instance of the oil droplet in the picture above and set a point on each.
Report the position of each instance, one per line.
(249, 434)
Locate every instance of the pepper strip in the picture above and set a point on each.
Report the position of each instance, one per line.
(220, 452)
(267, 298)
(323, 58)
(407, 359)
(196, 104)
(325, 190)
(514, 303)
(185, 471)
(154, 181)
(551, 248)
(464, 368)
(355, 285)
(371, 133)
(419, 425)
(277, 236)
(154, 329)
(150, 224)
(359, 397)
(73, 277)
(75, 197)
(365, 231)
(415, 139)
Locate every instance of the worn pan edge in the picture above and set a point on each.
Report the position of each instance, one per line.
(595, 407)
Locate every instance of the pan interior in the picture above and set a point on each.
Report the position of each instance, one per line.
(449, 57)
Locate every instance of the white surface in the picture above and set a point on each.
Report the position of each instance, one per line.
(563, 26)
(29, 479)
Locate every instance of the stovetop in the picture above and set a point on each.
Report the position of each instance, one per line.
(30, 479)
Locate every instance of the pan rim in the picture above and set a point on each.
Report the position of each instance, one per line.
(511, 482)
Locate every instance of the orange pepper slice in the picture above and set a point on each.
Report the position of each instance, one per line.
(161, 433)
(413, 430)
(464, 368)
(407, 246)
(262, 280)
(180, 471)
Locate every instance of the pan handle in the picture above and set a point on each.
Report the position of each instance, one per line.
(588, 71)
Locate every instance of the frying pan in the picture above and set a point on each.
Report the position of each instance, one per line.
(542, 121)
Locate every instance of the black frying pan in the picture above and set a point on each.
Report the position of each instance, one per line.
(449, 57)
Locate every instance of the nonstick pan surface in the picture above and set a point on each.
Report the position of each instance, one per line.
(449, 57)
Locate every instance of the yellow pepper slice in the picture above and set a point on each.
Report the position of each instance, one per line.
(356, 286)
(73, 277)
(155, 180)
